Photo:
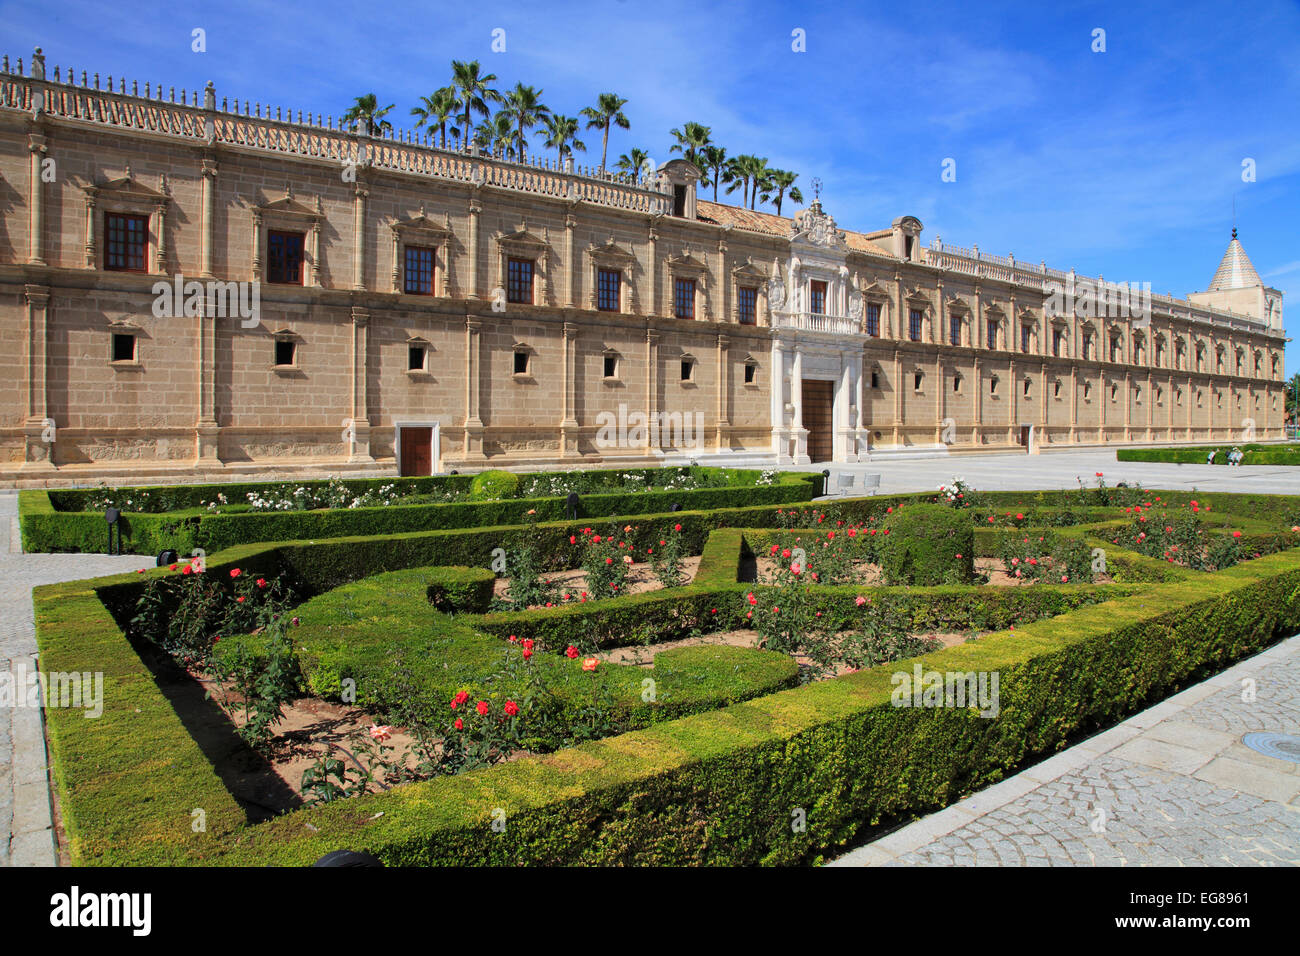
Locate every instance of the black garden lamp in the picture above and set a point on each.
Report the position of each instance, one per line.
(113, 517)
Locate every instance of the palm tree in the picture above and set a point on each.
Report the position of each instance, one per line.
(562, 135)
(607, 111)
(713, 159)
(741, 171)
(524, 109)
(632, 162)
(435, 110)
(691, 139)
(762, 174)
(474, 92)
(1292, 399)
(497, 135)
(366, 108)
(783, 182)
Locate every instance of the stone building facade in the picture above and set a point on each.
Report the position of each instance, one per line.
(189, 288)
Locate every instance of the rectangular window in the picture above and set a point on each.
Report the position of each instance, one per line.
(126, 242)
(611, 366)
(284, 352)
(519, 281)
(419, 271)
(954, 330)
(991, 333)
(817, 297)
(873, 320)
(914, 325)
(688, 369)
(415, 356)
(1057, 336)
(284, 257)
(684, 298)
(916, 381)
(751, 373)
(123, 347)
(521, 362)
(609, 290)
(875, 380)
(747, 305)
(1024, 338)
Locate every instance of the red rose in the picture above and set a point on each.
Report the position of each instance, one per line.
(482, 708)
(234, 572)
(261, 582)
(571, 653)
(677, 527)
(459, 724)
(511, 708)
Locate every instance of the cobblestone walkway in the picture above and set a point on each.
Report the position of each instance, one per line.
(25, 818)
(1173, 785)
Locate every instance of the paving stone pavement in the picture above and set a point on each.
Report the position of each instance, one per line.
(1173, 786)
(25, 819)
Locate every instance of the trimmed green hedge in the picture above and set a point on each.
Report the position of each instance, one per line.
(46, 529)
(1255, 454)
(928, 545)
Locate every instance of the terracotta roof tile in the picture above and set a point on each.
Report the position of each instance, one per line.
(773, 225)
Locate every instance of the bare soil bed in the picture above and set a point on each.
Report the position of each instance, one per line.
(640, 578)
(871, 575)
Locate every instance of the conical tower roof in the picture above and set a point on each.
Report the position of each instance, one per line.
(1235, 270)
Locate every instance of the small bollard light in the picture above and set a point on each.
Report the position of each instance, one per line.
(167, 557)
(675, 507)
(113, 517)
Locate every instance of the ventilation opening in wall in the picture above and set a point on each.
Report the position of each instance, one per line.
(285, 352)
(123, 347)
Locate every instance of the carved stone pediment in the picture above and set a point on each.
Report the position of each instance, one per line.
(131, 190)
(995, 312)
(523, 241)
(956, 305)
(875, 292)
(917, 296)
(816, 227)
(291, 207)
(421, 224)
(747, 270)
(687, 264)
(611, 254)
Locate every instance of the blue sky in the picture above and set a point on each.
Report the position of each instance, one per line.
(1124, 163)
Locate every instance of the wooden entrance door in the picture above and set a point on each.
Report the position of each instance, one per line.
(818, 405)
(1024, 436)
(417, 451)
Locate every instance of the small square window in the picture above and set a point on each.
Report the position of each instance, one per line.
(285, 352)
(521, 362)
(416, 356)
(611, 366)
(123, 347)
(688, 370)
(751, 373)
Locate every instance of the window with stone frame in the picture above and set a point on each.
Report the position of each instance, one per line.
(751, 373)
(519, 280)
(1058, 340)
(991, 333)
(522, 361)
(284, 257)
(873, 319)
(126, 242)
(286, 352)
(417, 277)
(609, 290)
(747, 305)
(609, 365)
(817, 297)
(914, 324)
(683, 298)
(954, 330)
(1026, 338)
